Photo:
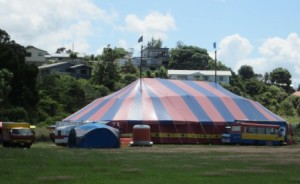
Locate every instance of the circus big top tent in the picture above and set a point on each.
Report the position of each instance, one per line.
(177, 111)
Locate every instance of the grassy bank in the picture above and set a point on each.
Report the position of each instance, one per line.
(46, 163)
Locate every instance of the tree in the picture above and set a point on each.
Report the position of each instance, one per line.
(271, 97)
(128, 67)
(154, 44)
(188, 58)
(61, 94)
(4, 37)
(23, 83)
(107, 70)
(233, 89)
(281, 77)
(60, 50)
(128, 78)
(295, 100)
(266, 78)
(253, 87)
(220, 66)
(5, 87)
(161, 73)
(120, 52)
(149, 74)
(286, 108)
(237, 83)
(246, 72)
(73, 55)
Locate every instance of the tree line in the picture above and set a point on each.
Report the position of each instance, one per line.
(43, 100)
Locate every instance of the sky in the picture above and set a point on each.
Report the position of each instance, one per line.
(263, 34)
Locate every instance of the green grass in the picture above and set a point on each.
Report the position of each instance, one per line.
(46, 163)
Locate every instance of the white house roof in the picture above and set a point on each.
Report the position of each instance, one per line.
(63, 55)
(199, 72)
(52, 65)
(80, 65)
(29, 47)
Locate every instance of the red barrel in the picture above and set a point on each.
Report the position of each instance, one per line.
(141, 135)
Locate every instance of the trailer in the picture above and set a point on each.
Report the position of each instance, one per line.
(17, 134)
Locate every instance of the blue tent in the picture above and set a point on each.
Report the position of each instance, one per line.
(94, 135)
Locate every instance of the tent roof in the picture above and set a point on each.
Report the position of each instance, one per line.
(162, 100)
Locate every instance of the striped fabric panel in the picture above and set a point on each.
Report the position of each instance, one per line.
(165, 101)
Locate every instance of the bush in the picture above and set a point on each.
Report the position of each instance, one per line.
(42, 134)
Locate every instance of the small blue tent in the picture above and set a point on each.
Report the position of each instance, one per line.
(94, 135)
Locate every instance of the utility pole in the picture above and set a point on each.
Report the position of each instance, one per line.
(141, 40)
(141, 61)
(215, 47)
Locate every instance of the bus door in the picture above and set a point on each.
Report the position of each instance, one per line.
(235, 133)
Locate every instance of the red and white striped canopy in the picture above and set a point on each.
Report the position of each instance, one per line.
(163, 100)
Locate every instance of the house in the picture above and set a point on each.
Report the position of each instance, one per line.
(81, 71)
(35, 56)
(77, 71)
(155, 57)
(201, 75)
(297, 93)
(63, 57)
(152, 58)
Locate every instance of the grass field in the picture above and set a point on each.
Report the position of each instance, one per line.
(47, 163)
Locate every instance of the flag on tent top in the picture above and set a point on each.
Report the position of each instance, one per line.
(140, 39)
(215, 45)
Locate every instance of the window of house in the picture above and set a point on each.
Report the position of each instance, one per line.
(182, 77)
(221, 78)
(197, 77)
(40, 53)
(28, 54)
(83, 72)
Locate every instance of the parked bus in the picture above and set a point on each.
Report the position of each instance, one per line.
(254, 134)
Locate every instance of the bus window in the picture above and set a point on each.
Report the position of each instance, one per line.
(269, 130)
(236, 128)
(252, 130)
(261, 130)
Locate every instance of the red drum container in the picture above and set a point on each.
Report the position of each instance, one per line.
(141, 135)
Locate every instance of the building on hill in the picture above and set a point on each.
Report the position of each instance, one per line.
(200, 75)
(63, 57)
(35, 55)
(152, 58)
(297, 93)
(75, 70)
